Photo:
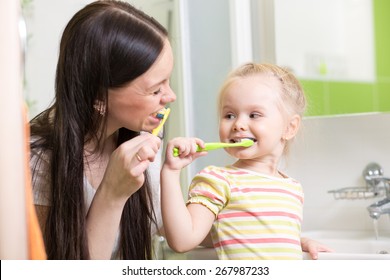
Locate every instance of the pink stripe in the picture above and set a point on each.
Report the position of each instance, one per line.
(236, 172)
(207, 194)
(228, 171)
(256, 240)
(214, 174)
(258, 214)
(246, 190)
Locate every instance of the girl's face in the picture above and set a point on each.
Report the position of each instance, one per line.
(135, 106)
(249, 109)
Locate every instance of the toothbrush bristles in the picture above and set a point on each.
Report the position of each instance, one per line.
(161, 113)
(160, 116)
(247, 142)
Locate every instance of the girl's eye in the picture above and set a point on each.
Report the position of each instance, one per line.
(254, 115)
(229, 116)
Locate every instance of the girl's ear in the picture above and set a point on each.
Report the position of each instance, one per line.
(292, 127)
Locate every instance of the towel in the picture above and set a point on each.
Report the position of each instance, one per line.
(36, 248)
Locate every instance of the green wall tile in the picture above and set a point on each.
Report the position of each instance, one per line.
(383, 93)
(382, 37)
(350, 98)
(316, 98)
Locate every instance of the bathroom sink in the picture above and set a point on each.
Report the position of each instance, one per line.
(351, 245)
(347, 245)
(202, 253)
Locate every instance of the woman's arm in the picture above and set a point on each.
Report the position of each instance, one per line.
(123, 176)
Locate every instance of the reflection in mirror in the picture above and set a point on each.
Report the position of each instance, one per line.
(338, 49)
(325, 39)
(322, 39)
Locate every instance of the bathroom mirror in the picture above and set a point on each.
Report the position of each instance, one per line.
(325, 39)
(337, 48)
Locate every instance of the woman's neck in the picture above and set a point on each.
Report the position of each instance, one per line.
(96, 157)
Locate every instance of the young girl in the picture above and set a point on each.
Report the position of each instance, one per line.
(254, 210)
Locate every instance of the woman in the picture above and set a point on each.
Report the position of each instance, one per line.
(89, 158)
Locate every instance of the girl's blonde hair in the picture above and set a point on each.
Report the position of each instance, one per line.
(291, 97)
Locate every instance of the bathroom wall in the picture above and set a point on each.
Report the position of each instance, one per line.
(45, 22)
(330, 153)
(211, 60)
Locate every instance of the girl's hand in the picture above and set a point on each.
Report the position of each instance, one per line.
(313, 247)
(124, 174)
(187, 152)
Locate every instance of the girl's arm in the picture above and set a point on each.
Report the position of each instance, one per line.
(185, 226)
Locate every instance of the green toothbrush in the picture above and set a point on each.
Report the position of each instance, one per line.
(213, 146)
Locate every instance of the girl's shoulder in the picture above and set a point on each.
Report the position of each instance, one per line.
(223, 169)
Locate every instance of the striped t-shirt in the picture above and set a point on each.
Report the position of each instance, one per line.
(257, 216)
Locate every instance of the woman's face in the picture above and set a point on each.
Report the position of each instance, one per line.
(135, 105)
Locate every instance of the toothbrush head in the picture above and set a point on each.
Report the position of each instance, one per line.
(246, 142)
(164, 118)
(160, 114)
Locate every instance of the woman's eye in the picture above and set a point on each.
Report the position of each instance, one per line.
(157, 91)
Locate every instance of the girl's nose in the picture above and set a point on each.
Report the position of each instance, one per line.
(239, 125)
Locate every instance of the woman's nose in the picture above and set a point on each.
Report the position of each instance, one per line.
(169, 96)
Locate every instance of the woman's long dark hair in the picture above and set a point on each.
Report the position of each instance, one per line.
(105, 45)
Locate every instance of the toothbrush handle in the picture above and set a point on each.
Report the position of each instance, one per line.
(176, 151)
(207, 147)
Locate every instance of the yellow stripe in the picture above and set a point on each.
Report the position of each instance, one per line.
(257, 232)
(264, 207)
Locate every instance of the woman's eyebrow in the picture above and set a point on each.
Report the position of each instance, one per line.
(155, 84)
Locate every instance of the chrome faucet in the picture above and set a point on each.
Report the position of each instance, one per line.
(379, 208)
(373, 175)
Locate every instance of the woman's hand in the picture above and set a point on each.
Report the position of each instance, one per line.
(124, 174)
(187, 152)
(313, 247)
